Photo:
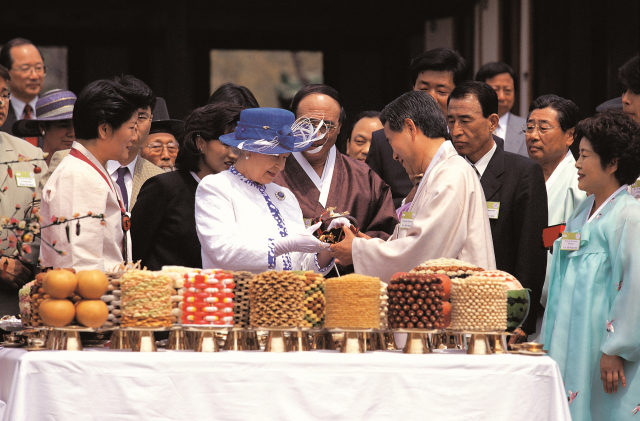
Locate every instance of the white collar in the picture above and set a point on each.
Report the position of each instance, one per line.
(445, 145)
(18, 107)
(482, 163)
(322, 183)
(504, 120)
(112, 166)
(558, 170)
(605, 203)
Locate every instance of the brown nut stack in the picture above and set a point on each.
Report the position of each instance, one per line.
(353, 301)
(416, 301)
(241, 306)
(451, 267)
(177, 275)
(146, 299)
(478, 304)
(113, 299)
(277, 299)
(314, 291)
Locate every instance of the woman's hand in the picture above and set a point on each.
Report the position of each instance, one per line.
(610, 371)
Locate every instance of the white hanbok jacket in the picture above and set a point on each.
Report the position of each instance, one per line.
(76, 187)
(237, 221)
(450, 221)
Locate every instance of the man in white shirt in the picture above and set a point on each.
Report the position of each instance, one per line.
(448, 216)
(513, 187)
(26, 67)
(549, 133)
(502, 79)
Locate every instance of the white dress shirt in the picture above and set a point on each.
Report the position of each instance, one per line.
(501, 130)
(112, 168)
(481, 164)
(18, 107)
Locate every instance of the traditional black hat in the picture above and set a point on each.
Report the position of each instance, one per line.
(161, 122)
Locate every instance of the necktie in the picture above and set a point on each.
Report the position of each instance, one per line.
(122, 171)
(27, 116)
(476, 170)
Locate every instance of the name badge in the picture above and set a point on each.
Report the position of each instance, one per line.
(635, 189)
(308, 222)
(25, 179)
(407, 220)
(493, 209)
(570, 241)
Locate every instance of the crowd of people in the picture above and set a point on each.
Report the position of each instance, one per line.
(444, 171)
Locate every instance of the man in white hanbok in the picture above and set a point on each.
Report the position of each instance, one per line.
(448, 216)
(245, 221)
(549, 133)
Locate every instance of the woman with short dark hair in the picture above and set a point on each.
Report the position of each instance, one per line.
(104, 120)
(163, 226)
(592, 319)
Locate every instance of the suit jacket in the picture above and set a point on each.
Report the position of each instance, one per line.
(380, 159)
(518, 184)
(515, 139)
(7, 127)
(142, 172)
(163, 224)
(10, 148)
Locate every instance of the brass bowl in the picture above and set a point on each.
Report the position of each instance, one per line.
(532, 346)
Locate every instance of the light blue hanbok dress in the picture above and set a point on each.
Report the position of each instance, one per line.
(594, 307)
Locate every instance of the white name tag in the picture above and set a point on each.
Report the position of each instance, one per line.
(407, 220)
(25, 179)
(570, 241)
(493, 209)
(308, 222)
(635, 189)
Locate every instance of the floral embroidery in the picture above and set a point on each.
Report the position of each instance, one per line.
(635, 410)
(572, 396)
(282, 228)
(609, 327)
(618, 286)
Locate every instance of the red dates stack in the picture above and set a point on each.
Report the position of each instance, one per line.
(416, 301)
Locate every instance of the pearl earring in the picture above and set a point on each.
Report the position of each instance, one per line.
(247, 157)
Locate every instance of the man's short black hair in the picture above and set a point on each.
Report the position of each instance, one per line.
(235, 94)
(440, 60)
(101, 102)
(317, 88)
(484, 93)
(4, 73)
(420, 108)
(360, 116)
(137, 91)
(6, 59)
(489, 70)
(629, 74)
(568, 112)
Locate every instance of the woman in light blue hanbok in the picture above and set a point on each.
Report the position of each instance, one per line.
(592, 319)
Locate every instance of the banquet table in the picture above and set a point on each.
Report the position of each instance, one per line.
(101, 384)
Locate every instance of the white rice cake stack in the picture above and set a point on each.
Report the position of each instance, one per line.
(478, 304)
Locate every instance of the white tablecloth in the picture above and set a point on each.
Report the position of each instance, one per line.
(253, 385)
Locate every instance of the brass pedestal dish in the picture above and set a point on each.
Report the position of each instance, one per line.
(205, 339)
(418, 340)
(142, 338)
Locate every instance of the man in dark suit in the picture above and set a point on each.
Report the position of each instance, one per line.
(27, 70)
(513, 187)
(436, 72)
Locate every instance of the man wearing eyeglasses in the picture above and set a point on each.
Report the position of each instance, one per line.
(513, 187)
(549, 134)
(322, 177)
(27, 70)
(161, 147)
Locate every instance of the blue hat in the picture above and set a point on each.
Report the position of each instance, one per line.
(52, 106)
(271, 131)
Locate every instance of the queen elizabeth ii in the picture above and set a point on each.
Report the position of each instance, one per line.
(244, 220)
